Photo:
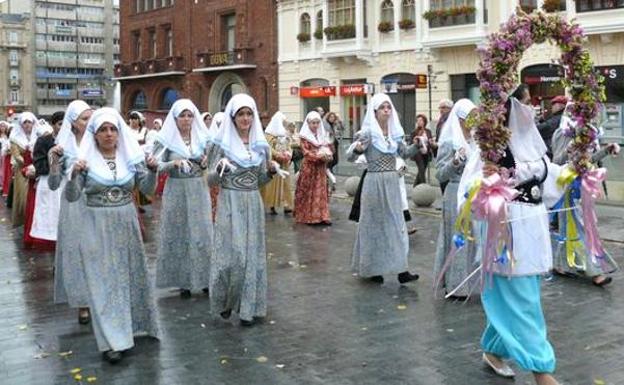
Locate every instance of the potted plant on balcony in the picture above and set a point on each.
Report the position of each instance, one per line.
(346, 31)
(385, 26)
(436, 17)
(551, 5)
(406, 24)
(303, 37)
(464, 14)
(318, 34)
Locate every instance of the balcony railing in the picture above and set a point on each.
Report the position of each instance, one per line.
(151, 66)
(237, 57)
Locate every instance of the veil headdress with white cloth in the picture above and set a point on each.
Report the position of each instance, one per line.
(371, 125)
(452, 131)
(66, 137)
(169, 135)
(320, 138)
(230, 142)
(276, 125)
(128, 153)
(525, 143)
(18, 136)
(217, 119)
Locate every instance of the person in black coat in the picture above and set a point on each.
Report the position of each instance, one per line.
(548, 127)
(44, 144)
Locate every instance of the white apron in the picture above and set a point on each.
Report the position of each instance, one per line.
(47, 207)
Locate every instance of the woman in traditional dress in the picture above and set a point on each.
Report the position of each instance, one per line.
(455, 146)
(597, 270)
(217, 119)
(138, 130)
(381, 244)
(511, 300)
(70, 284)
(5, 159)
(238, 276)
(206, 117)
(185, 227)
(150, 137)
(312, 193)
(110, 164)
(22, 140)
(277, 193)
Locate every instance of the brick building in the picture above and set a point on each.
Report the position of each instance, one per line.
(204, 50)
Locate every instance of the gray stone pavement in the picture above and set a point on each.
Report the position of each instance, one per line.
(324, 325)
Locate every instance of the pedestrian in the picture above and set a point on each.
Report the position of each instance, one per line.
(295, 145)
(381, 245)
(548, 127)
(150, 137)
(311, 192)
(137, 125)
(444, 107)
(185, 224)
(455, 147)
(5, 158)
(422, 136)
(22, 139)
(599, 271)
(206, 117)
(334, 129)
(70, 284)
(277, 193)
(110, 163)
(238, 277)
(511, 300)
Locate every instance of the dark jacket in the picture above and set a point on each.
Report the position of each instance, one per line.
(547, 129)
(40, 154)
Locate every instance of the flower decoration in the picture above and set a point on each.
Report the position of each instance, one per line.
(498, 71)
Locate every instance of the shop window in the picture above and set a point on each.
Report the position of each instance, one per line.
(597, 5)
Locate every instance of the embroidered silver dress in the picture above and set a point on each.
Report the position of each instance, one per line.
(381, 244)
(238, 276)
(186, 228)
(69, 277)
(119, 289)
(464, 262)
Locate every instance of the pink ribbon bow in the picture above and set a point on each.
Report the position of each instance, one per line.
(591, 190)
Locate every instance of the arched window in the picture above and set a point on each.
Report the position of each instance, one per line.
(139, 102)
(387, 12)
(304, 24)
(169, 96)
(341, 12)
(408, 10)
(319, 21)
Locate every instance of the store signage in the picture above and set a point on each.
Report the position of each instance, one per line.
(612, 72)
(541, 79)
(92, 92)
(317, 92)
(63, 29)
(421, 81)
(220, 59)
(354, 90)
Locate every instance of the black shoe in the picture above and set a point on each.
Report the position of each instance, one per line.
(206, 290)
(112, 356)
(184, 293)
(246, 323)
(226, 314)
(605, 281)
(84, 317)
(273, 212)
(376, 279)
(406, 277)
(287, 211)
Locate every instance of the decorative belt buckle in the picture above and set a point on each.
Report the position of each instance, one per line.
(114, 194)
(536, 193)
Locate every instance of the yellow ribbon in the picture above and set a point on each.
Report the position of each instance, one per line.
(463, 223)
(573, 244)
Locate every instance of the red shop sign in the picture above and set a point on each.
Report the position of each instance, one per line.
(354, 90)
(317, 92)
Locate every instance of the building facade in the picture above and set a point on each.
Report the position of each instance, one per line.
(76, 44)
(15, 64)
(337, 53)
(204, 50)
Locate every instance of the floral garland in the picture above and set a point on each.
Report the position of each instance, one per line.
(498, 76)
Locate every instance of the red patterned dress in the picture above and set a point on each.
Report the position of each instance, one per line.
(312, 194)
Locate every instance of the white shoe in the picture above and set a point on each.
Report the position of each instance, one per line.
(503, 371)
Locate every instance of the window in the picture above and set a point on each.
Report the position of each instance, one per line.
(465, 14)
(136, 44)
(168, 42)
(341, 12)
(140, 101)
(152, 43)
(169, 97)
(149, 5)
(14, 96)
(229, 32)
(387, 12)
(319, 21)
(528, 5)
(139, 6)
(13, 57)
(304, 24)
(408, 9)
(597, 5)
(13, 37)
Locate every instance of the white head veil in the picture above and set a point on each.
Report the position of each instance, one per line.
(230, 142)
(320, 138)
(371, 126)
(276, 125)
(18, 136)
(217, 119)
(169, 135)
(159, 121)
(451, 130)
(128, 155)
(66, 137)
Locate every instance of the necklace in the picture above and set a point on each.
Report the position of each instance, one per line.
(112, 165)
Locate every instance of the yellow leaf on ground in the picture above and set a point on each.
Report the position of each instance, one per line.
(75, 370)
(224, 361)
(91, 379)
(599, 381)
(65, 354)
(262, 359)
(78, 377)
(22, 327)
(401, 307)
